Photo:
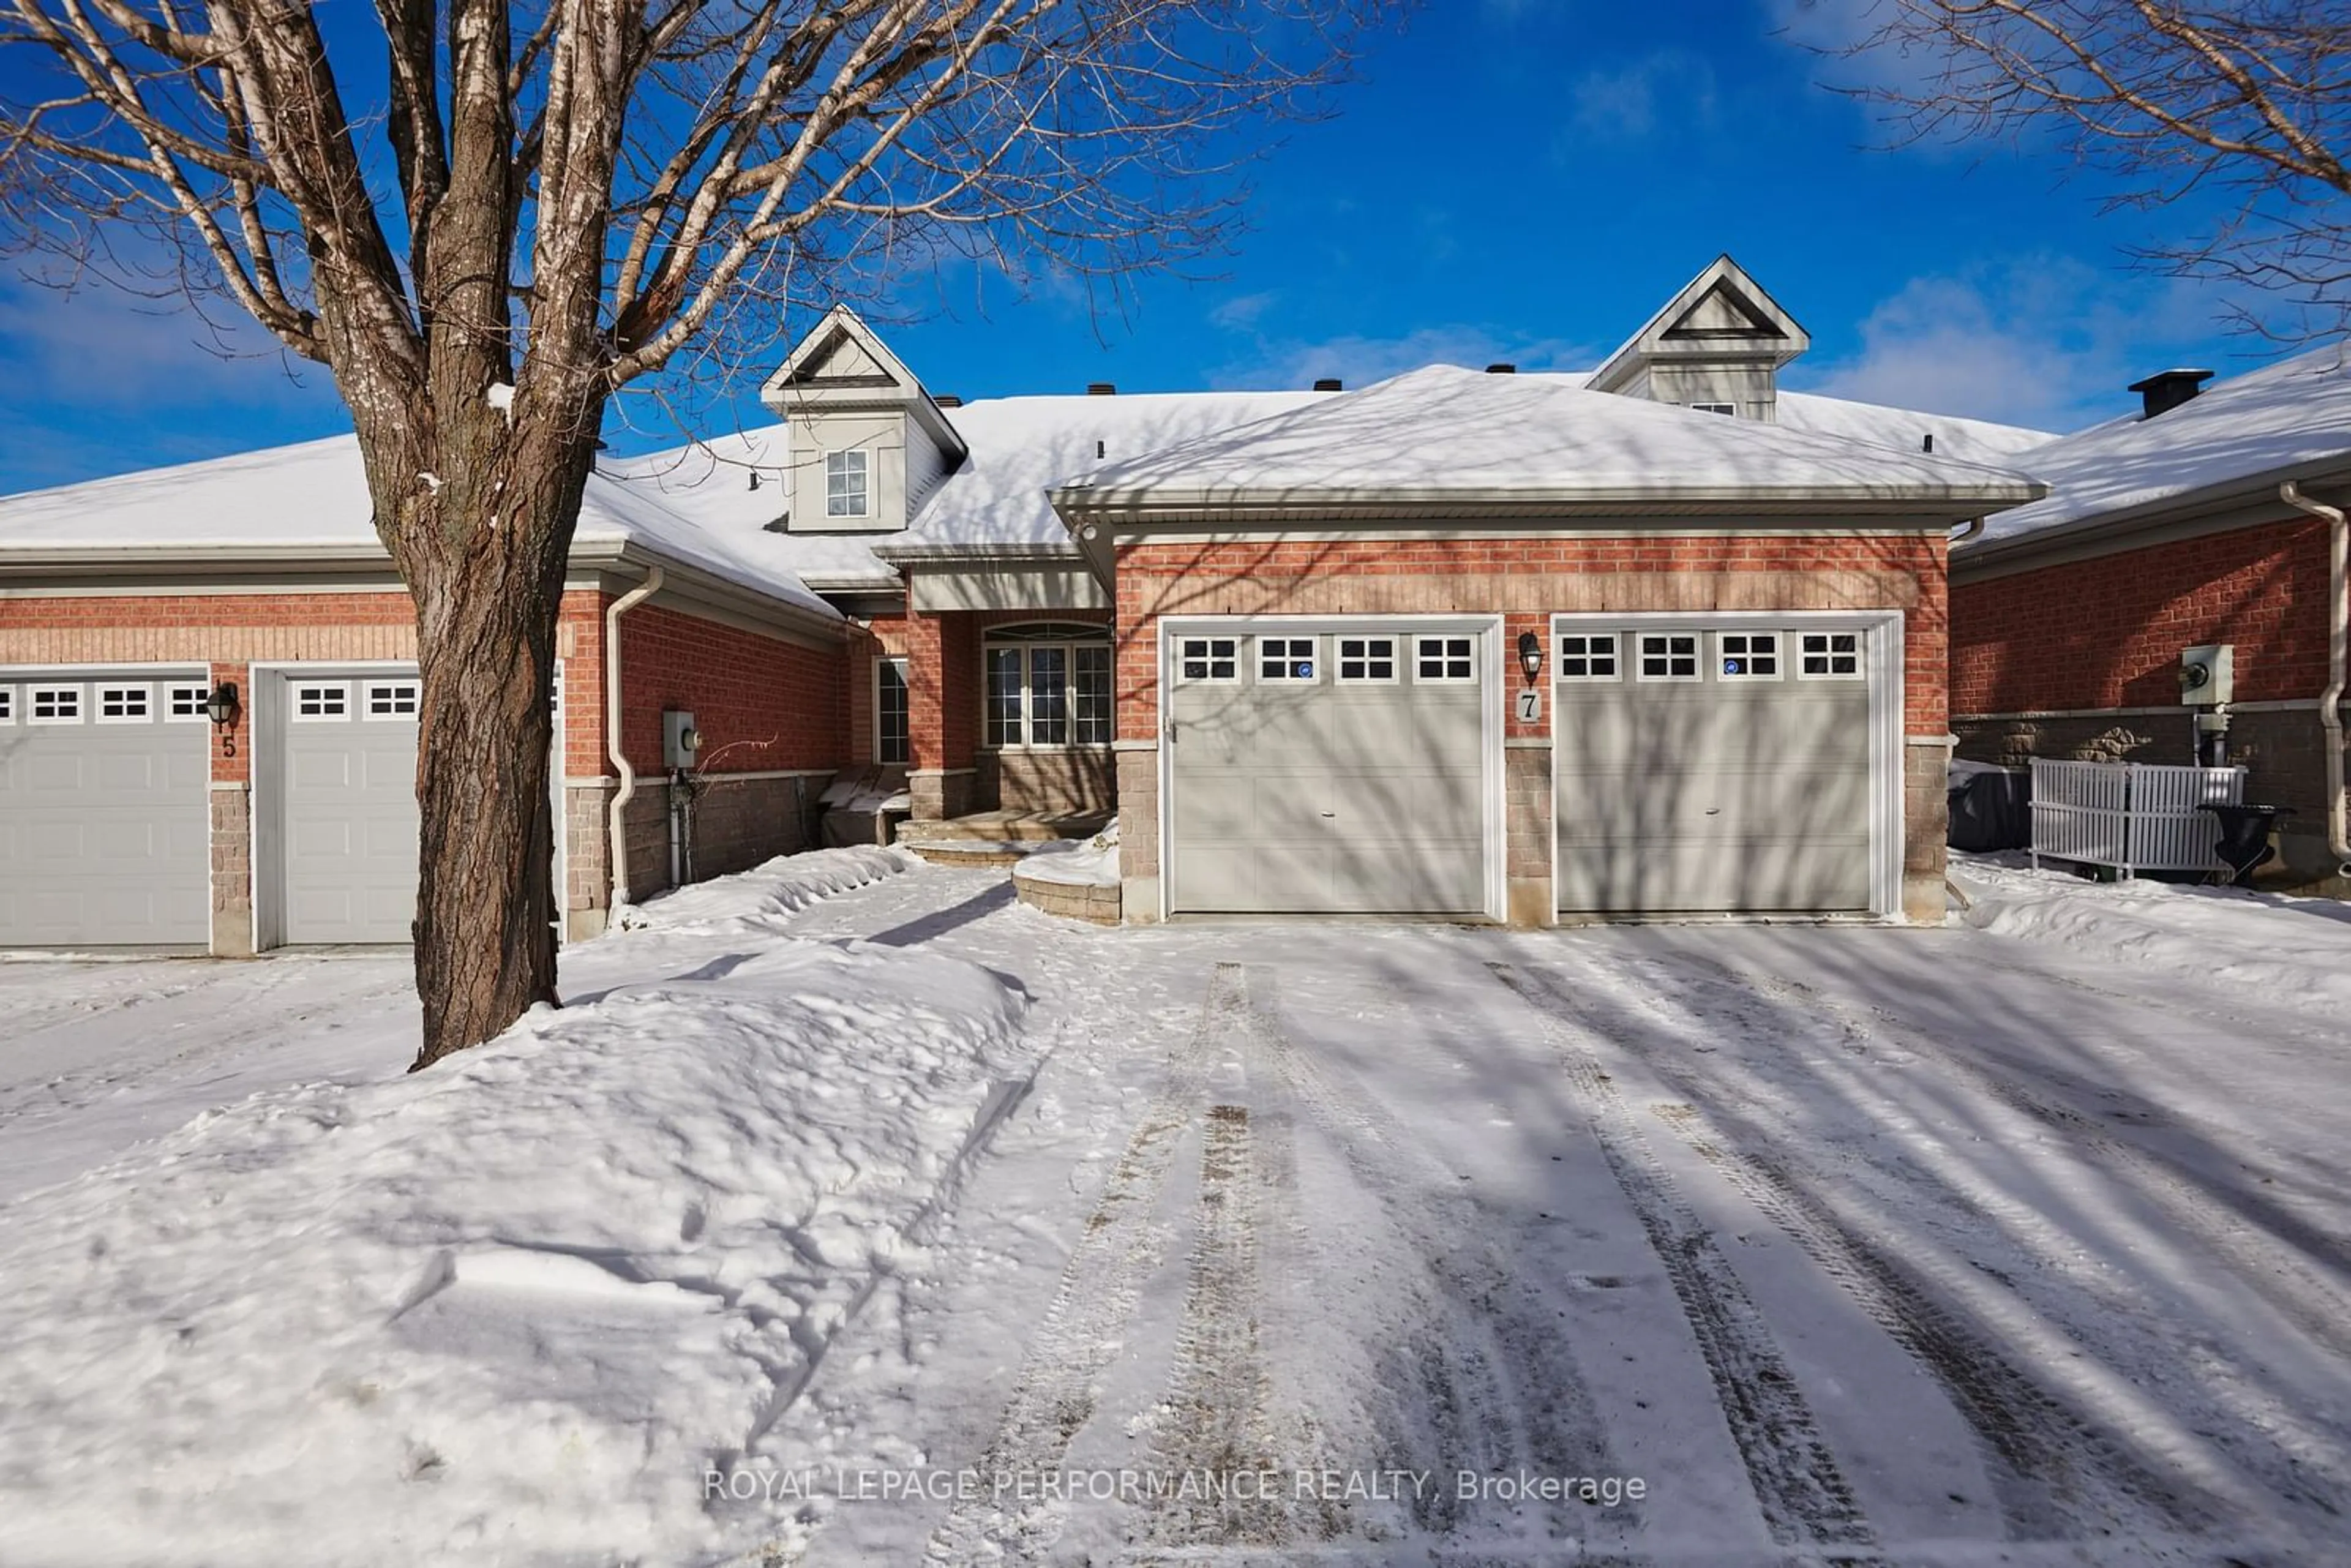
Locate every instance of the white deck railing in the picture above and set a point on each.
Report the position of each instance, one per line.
(2133, 816)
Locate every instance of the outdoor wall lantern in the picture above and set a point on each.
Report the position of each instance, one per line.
(221, 707)
(1531, 655)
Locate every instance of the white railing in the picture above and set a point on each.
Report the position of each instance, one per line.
(2133, 816)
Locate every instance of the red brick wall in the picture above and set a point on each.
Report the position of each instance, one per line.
(761, 704)
(944, 673)
(2107, 633)
(1528, 580)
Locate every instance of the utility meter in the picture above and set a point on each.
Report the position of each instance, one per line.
(680, 740)
(2208, 676)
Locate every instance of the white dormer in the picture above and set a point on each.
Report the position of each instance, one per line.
(1717, 345)
(866, 443)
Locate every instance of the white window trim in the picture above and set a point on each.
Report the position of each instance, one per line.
(1615, 655)
(1419, 646)
(1779, 655)
(1697, 658)
(865, 481)
(170, 693)
(146, 700)
(906, 678)
(7, 705)
(1860, 671)
(1394, 659)
(1069, 695)
(32, 703)
(294, 714)
(1314, 658)
(1209, 658)
(368, 688)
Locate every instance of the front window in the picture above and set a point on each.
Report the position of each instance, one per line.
(844, 483)
(1047, 686)
(893, 742)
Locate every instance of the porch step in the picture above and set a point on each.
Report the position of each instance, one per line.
(971, 851)
(1001, 827)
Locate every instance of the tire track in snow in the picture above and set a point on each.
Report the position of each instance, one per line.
(2318, 1306)
(1213, 1421)
(1081, 1333)
(2045, 1450)
(1499, 1387)
(1803, 1496)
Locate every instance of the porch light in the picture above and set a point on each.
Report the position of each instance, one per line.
(1531, 655)
(221, 707)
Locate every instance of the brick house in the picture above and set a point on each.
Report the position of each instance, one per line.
(1484, 646)
(2167, 529)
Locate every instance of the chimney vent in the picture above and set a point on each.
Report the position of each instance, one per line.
(2166, 390)
(948, 399)
(1102, 389)
(1329, 384)
(1503, 369)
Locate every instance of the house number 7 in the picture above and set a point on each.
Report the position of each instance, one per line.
(1531, 706)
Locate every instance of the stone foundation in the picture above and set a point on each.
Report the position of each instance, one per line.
(1138, 833)
(1527, 835)
(737, 824)
(938, 794)
(1925, 830)
(2282, 750)
(232, 871)
(1046, 783)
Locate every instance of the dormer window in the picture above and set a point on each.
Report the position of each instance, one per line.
(844, 485)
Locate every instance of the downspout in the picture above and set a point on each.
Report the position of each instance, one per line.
(1968, 530)
(2338, 631)
(617, 844)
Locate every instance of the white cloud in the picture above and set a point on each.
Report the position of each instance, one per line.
(2047, 341)
(1664, 89)
(1243, 312)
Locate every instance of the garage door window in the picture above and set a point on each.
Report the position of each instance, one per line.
(1367, 659)
(1669, 657)
(1048, 689)
(55, 704)
(392, 699)
(1830, 656)
(124, 705)
(1213, 660)
(184, 703)
(1446, 659)
(317, 702)
(1286, 659)
(7, 705)
(1588, 657)
(1749, 656)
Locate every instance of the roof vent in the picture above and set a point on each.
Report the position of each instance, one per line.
(1329, 384)
(1927, 441)
(1102, 389)
(948, 399)
(1503, 369)
(2166, 390)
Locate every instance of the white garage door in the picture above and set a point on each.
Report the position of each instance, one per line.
(1338, 769)
(104, 811)
(1712, 768)
(348, 773)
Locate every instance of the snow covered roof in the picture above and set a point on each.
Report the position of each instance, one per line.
(2277, 422)
(1443, 434)
(311, 500)
(1880, 424)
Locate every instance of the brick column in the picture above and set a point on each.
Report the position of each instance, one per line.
(231, 821)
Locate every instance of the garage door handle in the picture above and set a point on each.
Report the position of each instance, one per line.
(1330, 813)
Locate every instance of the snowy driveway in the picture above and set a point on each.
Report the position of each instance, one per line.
(96, 1057)
(1350, 1242)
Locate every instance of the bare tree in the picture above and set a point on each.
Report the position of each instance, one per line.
(2247, 102)
(485, 218)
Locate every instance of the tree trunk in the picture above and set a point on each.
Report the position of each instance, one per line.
(483, 554)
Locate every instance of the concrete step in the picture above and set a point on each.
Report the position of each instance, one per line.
(1001, 827)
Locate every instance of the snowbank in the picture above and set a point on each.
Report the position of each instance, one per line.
(1074, 862)
(503, 1311)
(767, 892)
(2290, 952)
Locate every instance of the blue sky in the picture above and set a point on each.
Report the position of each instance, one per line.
(1511, 179)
